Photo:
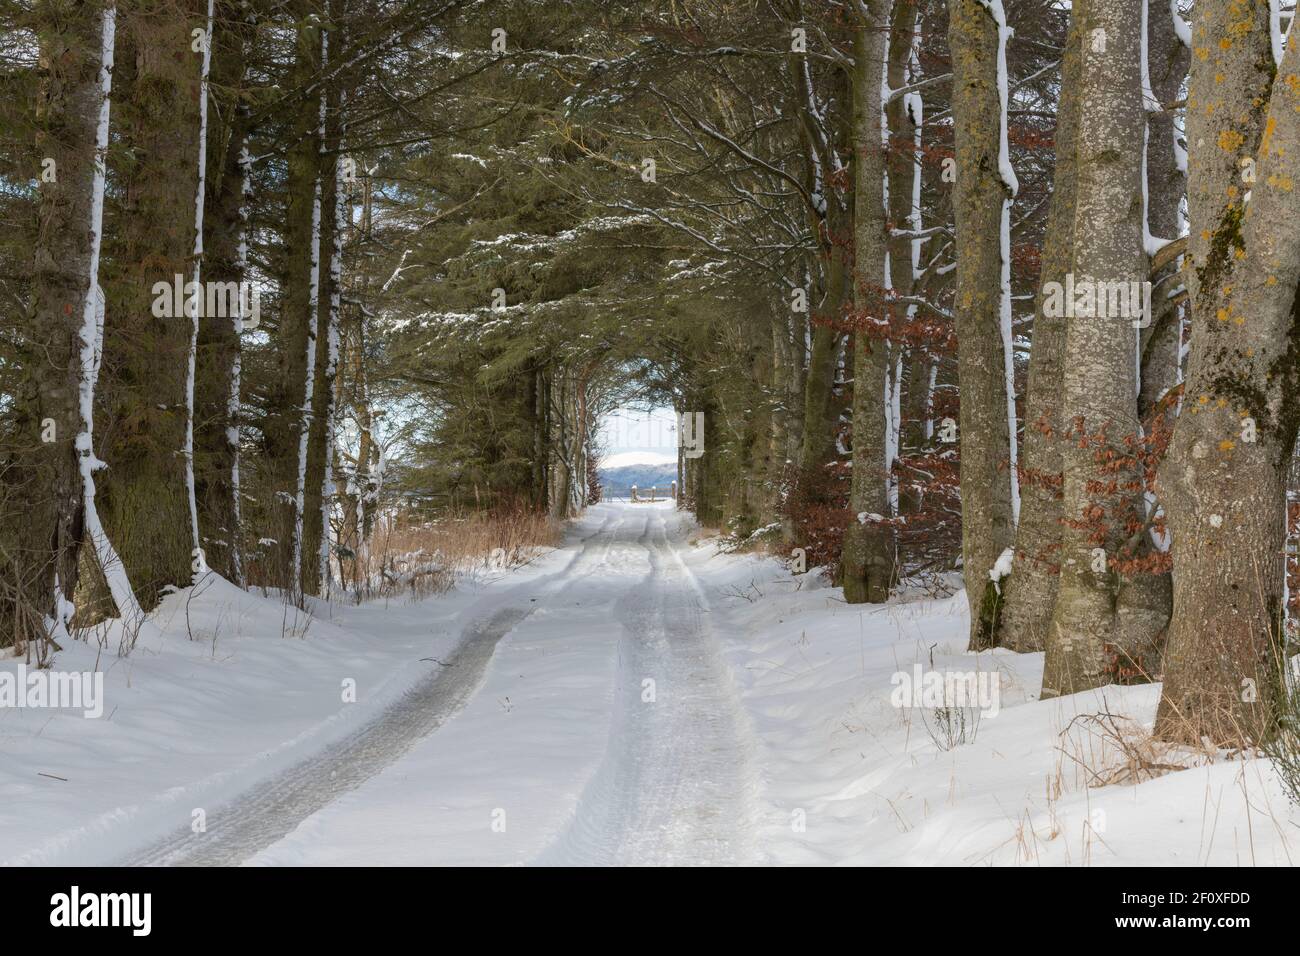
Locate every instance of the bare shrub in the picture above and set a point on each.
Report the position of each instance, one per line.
(1114, 749)
(951, 727)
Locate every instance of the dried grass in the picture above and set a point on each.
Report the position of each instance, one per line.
(419, 558)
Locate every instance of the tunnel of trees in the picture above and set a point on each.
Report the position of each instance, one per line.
(436, 241)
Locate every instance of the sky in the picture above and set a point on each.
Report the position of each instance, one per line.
(637, 436)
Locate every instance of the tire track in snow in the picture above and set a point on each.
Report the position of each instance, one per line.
(676, 784)
(270, 810)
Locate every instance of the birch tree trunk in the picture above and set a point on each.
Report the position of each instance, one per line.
(196, 305)
(317, 501)
(355, 474)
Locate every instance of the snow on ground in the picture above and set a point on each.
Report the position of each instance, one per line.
(850, 778)
(566, 755)
(189, 723)
(628, 458)
(647, 699)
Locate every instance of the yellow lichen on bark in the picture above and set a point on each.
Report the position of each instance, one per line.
(1230, 140)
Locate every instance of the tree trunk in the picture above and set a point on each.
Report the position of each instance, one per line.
(867, 563)
(197, 305)
(289, 408)
(1223, 481)
(1147, 597)
(904, 115)
(317, 500)
(42, 527)
(1167, 62)
(1103, 502)
(782, 371)
(216, 436)
(1029, 594)
(830, 225)
(143, 496)
(978, 195)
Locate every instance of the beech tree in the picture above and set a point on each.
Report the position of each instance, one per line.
(1223, 482)
(984, 184)
(1028, 595)
(868, 562)
(1101, 489)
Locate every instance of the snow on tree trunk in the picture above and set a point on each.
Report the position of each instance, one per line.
(45, 408)
(979, 196)
(1012, 186)
(331, 371)
(194, 305)
(91, 338)
(225, 265)
(309, 362)
(867, 562)
(903, 119)
(1029, 594)
(1277, 35)
(233, 404)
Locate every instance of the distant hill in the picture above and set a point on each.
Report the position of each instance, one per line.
(643, 476)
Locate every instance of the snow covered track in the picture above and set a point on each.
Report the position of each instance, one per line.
(273, 809)
(610, 660)
(676, 784)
